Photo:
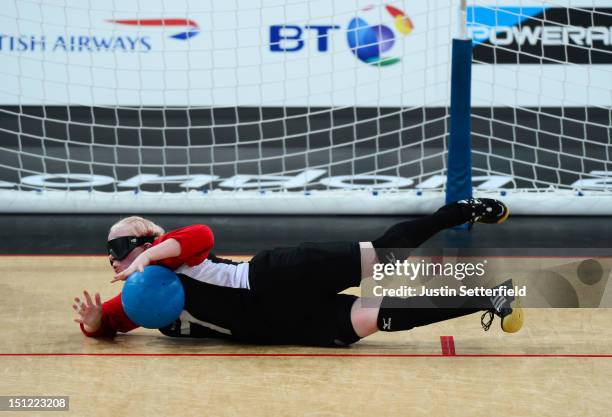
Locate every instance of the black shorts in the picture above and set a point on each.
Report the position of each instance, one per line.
(293, 298)
(308, 270)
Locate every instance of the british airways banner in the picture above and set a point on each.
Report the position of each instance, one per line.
(308, 53)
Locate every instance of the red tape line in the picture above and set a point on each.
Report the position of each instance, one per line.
(448, 345)
(321, 355)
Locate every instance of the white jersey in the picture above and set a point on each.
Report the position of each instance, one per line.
(215, 273)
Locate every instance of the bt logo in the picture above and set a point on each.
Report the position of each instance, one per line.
(369, 43)
(288, 38)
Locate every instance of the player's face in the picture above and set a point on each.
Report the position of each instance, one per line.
(120, 265)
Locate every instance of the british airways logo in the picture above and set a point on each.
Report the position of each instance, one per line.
(140, 40)
(192, 27)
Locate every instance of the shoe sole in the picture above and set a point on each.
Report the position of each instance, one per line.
(514, 322)
(505, 216)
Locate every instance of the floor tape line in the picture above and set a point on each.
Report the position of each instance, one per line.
(324, 355)
(448, 345)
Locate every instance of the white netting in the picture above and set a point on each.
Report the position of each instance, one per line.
(290, 106)
(541, 94)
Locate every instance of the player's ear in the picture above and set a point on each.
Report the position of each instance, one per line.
(147, 245)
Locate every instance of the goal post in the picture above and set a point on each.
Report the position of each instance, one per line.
(459, 173)
(311, 107)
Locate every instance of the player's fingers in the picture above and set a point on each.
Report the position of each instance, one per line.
(74, 306)
(98, 300)
(87, 298)
(119, 276)
(76, 300)
(78, 321)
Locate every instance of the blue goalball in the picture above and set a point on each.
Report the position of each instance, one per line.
(153, 298)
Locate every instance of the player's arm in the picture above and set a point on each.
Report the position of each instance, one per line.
(195, 243)
(101, 320)
(166, 249)
(169, 248)
(188, 245)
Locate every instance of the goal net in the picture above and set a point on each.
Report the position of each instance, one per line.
(542, 102)
(284, 106)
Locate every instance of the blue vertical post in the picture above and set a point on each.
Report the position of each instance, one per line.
(459, 173)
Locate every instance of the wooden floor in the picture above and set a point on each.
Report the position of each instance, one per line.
(533, 373)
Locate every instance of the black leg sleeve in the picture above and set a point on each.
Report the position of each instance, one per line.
(411, 234)
(397, 314)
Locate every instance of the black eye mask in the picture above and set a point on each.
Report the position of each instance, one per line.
(121, 247)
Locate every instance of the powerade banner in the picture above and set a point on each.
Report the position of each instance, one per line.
(541, 35)
(369, 53)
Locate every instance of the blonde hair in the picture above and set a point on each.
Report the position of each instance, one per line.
(140, 226)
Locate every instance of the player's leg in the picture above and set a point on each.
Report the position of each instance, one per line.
(394, 314)
(326, 322)
(341, 319)
(331, 267)
(391, 318)
(412, 234)
(335, 264)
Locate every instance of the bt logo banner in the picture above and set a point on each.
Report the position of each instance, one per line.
(541, 35)
(371, 43)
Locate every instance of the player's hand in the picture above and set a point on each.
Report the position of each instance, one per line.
(90, 313)
(137, 264)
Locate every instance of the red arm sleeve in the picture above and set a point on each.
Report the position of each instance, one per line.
(196, 242)
(114, 319)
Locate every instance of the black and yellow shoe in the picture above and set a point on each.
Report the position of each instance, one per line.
(485, 210)
(507, 308)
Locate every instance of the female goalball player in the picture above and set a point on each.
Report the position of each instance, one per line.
(285, 295)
